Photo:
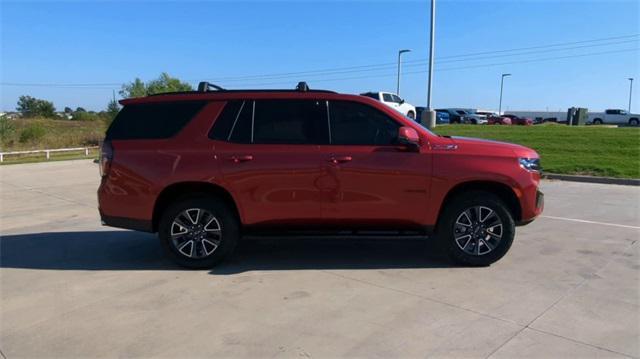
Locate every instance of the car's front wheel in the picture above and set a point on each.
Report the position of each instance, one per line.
(634, 122)
(476, 229)
(411, 115)
(198, 232)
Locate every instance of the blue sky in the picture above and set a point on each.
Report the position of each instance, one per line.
(104, 44)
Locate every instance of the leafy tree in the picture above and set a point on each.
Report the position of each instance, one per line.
(68, 110)
(164, 83)
(112, 110)
(80, 109)
(33, 107)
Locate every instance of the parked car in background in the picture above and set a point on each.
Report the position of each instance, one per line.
(204, 168)
(455, 115)
(494, 119)
(517, 120)
(498, 120)
(442, 118)
(471, 117)
(394, 101)
(613, 116)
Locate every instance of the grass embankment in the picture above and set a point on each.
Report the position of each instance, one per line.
(583, 150)
(39, 133)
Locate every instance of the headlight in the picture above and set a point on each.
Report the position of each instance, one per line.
(530, 164)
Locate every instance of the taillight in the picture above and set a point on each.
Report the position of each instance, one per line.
(106, 156)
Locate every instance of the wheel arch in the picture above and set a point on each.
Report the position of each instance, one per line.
(501, 190)
(186, 189)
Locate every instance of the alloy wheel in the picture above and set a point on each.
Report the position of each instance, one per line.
(478, 230)
(196, 233)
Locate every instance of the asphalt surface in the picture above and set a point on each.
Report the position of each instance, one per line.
(569, 287)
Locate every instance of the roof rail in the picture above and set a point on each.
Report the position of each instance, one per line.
(206, 87)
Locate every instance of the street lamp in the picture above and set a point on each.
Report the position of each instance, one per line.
(429, 116)
(501, 87)
(630, 90)
(398, 85)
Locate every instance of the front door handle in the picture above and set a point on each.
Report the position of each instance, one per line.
(340, 159)
(243, 158)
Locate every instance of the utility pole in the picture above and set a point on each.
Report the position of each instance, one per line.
(630, 92)
(398, 83)
(429, 116)
(501, 87)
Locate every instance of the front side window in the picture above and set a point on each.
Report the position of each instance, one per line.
(354, 123)
(290, 122)
(396, 99)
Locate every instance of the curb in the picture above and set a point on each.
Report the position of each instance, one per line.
(593, 179)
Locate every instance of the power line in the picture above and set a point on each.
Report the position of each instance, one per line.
(455, 68)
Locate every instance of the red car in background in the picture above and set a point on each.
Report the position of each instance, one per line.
(515, 120)
(494, 119)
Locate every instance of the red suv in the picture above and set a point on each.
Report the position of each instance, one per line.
(203, 168)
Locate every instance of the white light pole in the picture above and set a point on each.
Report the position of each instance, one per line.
(630, 91)
(429, 116)
(501, 87)
(398, 84)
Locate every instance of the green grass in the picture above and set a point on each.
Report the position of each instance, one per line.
(583, 150)
(40, 133)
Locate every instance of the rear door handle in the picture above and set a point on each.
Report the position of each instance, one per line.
(340, 159)
(243, 158)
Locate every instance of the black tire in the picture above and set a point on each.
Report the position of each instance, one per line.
(411, 115)
(226, 221)
(634, 122)
(597, 121)
(447, 227)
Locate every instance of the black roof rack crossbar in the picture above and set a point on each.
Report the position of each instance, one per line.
(206, 87)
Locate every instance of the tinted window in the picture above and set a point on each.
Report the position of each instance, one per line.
(354, 123)
(152, 121)
(224, 122)
(610, 112)
(290, 121)
(387, 97)
(396, 98)
(241, 127)
(371, 94)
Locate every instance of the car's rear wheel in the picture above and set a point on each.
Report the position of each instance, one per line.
(411, 115)
(634, 122)
(597, 121)
(476, 229)
(198, 232)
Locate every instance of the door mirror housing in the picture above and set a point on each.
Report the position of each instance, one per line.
(409, 137)
(401, 101)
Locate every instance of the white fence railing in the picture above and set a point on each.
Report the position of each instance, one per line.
(48, 152)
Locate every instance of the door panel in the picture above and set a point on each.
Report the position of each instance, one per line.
(277, 183)
(378, 185)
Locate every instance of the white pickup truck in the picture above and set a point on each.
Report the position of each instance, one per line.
(613, 116)
(394, 101)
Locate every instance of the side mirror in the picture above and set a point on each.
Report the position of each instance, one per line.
(401, 101)
(407, 136)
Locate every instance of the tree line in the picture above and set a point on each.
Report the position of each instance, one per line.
(30, 107)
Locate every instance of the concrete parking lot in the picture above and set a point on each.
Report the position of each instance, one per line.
(570, 286)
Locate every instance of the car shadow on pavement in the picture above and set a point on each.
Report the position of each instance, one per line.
(287, 253)
(128, 250)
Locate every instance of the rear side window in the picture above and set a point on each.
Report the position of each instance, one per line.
(152, 121)
(290, 122)
(387, 97)
(354, 123)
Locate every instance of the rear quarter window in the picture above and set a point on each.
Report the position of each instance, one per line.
(152, 120)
